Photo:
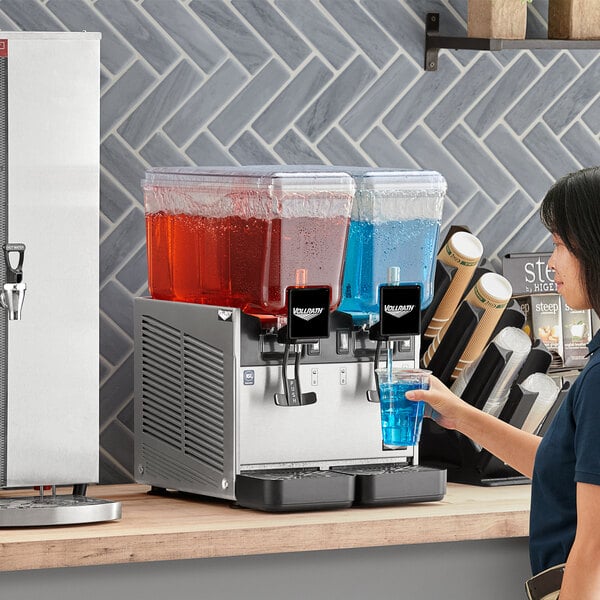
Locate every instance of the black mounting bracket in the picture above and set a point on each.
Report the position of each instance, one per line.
(435, 42)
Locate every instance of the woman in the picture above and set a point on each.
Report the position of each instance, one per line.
(565, 464)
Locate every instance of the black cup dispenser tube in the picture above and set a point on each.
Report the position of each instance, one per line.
(443, 277)
(465, 461)
(485, 376)
(454, 342)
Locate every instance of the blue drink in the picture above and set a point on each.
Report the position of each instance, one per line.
(401, 419)
(375, 246)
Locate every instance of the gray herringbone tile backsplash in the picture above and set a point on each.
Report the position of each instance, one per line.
(313, 81)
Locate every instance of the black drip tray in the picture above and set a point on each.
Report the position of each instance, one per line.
(378, 485)
(294, 490)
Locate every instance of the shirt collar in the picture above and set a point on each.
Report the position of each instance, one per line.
(594, 343)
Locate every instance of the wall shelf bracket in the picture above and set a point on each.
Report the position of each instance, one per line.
(434, 42)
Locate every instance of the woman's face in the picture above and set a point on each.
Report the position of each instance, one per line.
(568, 276)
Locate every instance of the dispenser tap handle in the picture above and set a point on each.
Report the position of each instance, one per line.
(13, 291)
(292, 394)
(14, 274)
(373, 395)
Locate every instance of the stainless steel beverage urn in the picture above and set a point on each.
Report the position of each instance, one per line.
(49, 272)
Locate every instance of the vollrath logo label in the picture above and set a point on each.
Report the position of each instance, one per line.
(224, 315)
(307, 314)
(398, 311)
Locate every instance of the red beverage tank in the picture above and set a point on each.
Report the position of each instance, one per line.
(239, 236)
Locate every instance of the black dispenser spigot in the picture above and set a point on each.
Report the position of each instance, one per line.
(14, 274)
(399, 316)
(13, 291)
(308, 321)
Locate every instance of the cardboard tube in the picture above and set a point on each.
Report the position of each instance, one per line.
(462, 251)
(491, 292)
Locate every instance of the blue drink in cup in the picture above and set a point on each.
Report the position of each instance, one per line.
(401, 419)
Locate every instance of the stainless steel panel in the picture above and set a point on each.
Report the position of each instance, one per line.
(185, 356)
(342, 427)
(53, 190)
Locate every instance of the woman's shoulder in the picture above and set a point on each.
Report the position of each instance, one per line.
(587, 386)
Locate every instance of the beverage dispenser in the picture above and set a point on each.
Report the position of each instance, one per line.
(250, 382)
(49, 273)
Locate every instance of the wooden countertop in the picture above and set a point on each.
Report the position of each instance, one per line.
(155, 528)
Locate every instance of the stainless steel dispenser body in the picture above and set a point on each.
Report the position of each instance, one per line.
(205, 410)
(49, 193)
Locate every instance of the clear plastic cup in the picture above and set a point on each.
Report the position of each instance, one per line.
(401, 419)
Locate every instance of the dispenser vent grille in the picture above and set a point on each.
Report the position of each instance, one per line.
(204, 402)
(166, 468)
(183, 392)
(162, 414)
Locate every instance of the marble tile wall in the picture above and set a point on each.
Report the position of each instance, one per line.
(313, 81)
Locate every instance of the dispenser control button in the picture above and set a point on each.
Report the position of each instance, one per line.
(314, 376)
(343, 376)
(343, 342)
(314, 349)
(404, 345)
(270, 345)
(249, 377)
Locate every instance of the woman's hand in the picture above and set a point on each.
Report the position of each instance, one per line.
(446, 407)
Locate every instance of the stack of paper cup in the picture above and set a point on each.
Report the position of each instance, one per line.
(547, 391)
(462, 251)
(510, 340)
(519, 343)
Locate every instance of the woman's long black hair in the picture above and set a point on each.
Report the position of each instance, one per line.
(571, 210)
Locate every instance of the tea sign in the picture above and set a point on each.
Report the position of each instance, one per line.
(529, 273)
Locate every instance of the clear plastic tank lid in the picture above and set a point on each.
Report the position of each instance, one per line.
(426, 182)
(263, 191)
(398, 195)
(272, 178)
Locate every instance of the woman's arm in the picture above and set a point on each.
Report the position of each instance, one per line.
(515, 447)
(582, 573)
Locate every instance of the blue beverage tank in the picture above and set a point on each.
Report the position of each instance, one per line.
(396, 217)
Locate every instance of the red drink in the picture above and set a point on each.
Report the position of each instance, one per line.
(175, 256)
(244, 263)
(185, 257)
(240, 238)
(204, 259)
(248, 259)
(313, 245)
(158, 242)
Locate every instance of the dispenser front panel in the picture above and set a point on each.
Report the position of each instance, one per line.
(342, 427)
(51, 353)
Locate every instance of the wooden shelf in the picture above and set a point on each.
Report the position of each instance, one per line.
(435, 42)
